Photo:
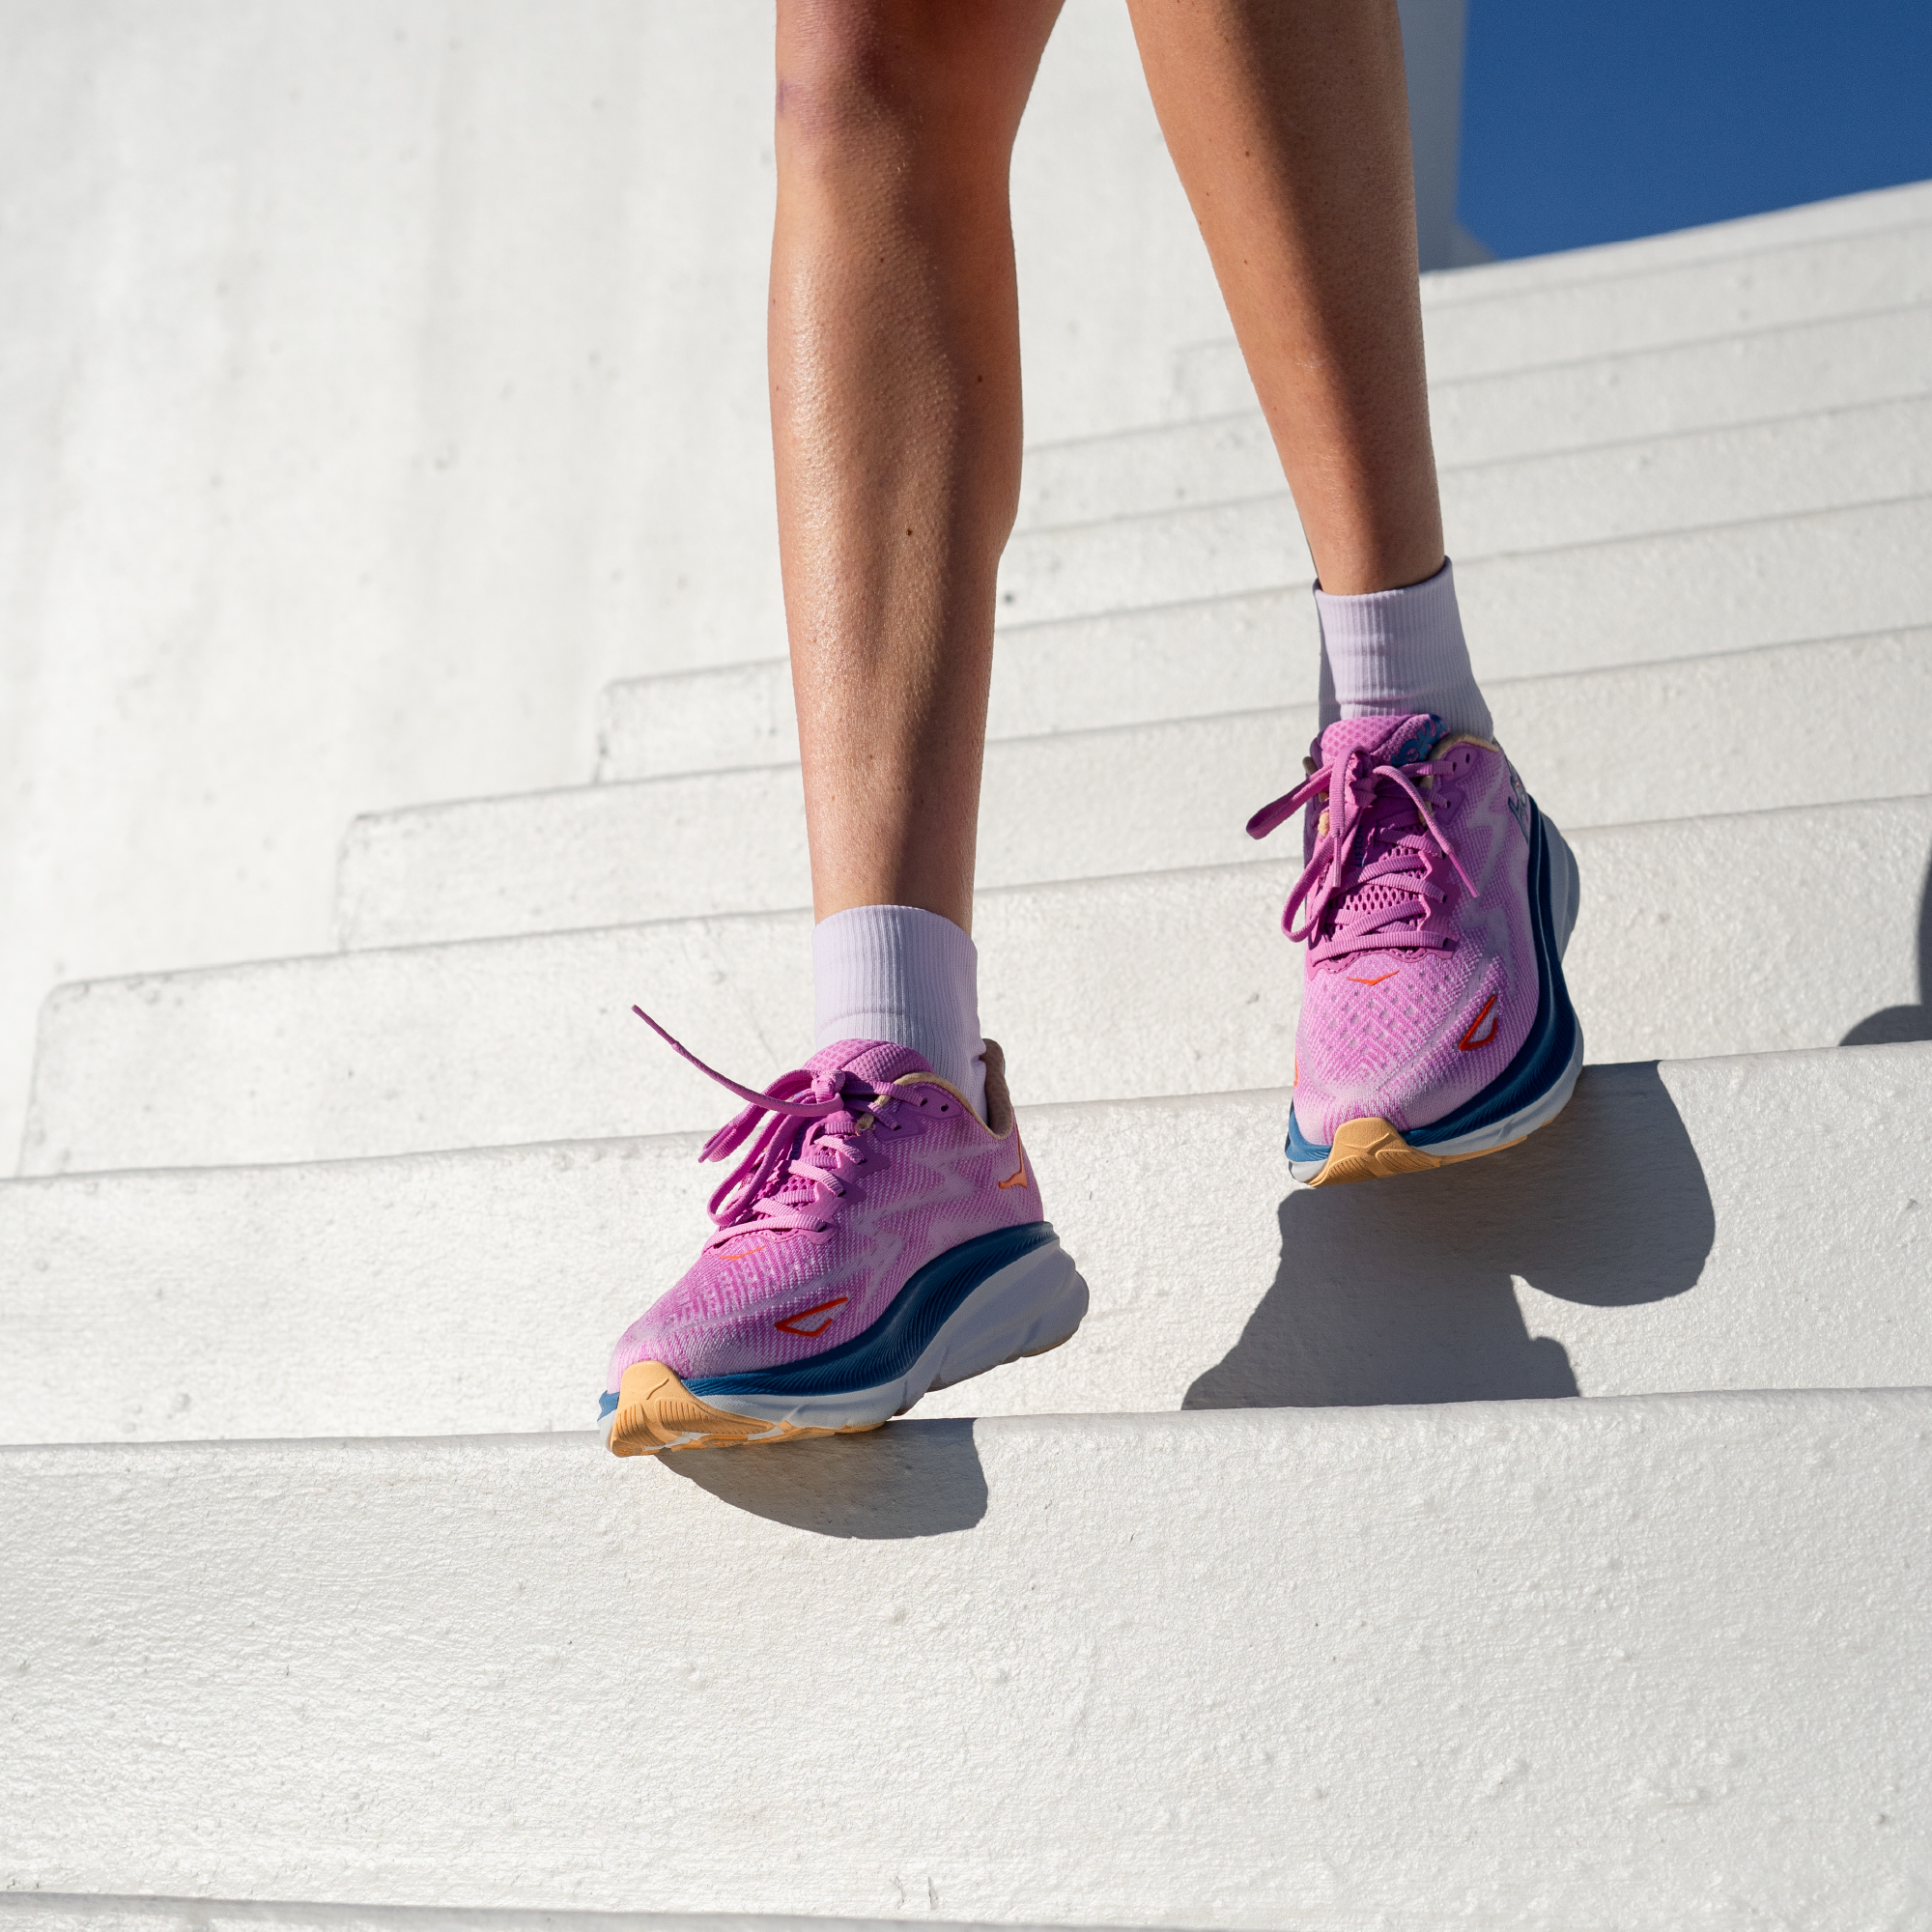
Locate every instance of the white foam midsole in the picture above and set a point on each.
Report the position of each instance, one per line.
(1031, 1304)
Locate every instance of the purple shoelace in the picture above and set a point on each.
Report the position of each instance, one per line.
(1352, 902)
(759, 1192)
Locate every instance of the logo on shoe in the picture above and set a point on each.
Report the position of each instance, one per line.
(796, 1325)
(1018, 1178)
(1519, 801)
(1479, 1034)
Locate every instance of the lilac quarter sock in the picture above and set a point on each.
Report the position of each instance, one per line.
(898, 972)
(1396, 652)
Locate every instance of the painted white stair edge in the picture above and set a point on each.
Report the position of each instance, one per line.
(71, 1912)
(1492, 326)
(1779, 579)
(1739, 731)
(1756, 932)
(1761, 1222)
(1872, 212)
(1649, 1659)
(1840, 363)
(1699, 479)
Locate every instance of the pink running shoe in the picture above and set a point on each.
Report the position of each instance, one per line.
(1437, 904)
(877, 1241)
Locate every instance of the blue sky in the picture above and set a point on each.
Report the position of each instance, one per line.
(1594, 120)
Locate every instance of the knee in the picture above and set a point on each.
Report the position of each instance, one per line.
(917, 76)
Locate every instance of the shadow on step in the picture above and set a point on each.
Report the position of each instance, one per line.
(911, 1479)
(1401, 1291)
(1891, 1025)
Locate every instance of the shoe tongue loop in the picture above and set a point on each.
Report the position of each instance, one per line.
(1388, 740)
(877, 1062)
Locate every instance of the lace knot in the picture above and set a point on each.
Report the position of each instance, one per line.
(801, 1132)
(1351, 897)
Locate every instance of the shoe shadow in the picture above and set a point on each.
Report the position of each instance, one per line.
(1401, 1291)
(1891, 1024)
(907, 1479)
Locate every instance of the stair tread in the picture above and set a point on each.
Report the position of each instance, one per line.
(1800, 368)
(1497, 1646)
(69, 1912)
(1872, 212)
(1654, 1238)
(1597, 748)
(480, 1042)
(1771, 581)
(1653, 486)
(1475, 328)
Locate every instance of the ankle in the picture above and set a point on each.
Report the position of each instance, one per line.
(1396, 652)
(898, 972)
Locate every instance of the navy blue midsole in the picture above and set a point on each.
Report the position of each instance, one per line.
(1537, 1065)
(889, 1348)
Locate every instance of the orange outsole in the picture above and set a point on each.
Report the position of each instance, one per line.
(1371, 1149)
(656, 1414)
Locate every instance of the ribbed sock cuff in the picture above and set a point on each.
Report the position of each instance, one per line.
(1396, 651)
(903, 973)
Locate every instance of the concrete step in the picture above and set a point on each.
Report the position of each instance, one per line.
(1874, 453)
(1639, 1661)
(1752, 933)
(1597, 748)
(70, 1912)
(1482, 326)
(1779, 579)
(1826, 461)
(1842, 364)
(1876, 210)
(1659, 1235)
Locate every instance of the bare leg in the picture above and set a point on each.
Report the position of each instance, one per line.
(896, 420)
(1289, 123)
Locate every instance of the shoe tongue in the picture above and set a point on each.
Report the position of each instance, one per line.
(1388, 740)
(878, 1061)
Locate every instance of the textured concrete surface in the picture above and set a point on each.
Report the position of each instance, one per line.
(301, 528)
(99, 1912)
(1639, 1661)
(1479, 321)
(1879, 210)
(1779, 580)
(1656, 1238)
(1692, 480)
(1609, 399)
(1596, 748)
(1682, 948)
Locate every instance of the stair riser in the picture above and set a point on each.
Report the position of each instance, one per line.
(1546, 502)
(1655, 1238)
(1598, 748)
(1780, 580)
(1699, 936)
(1497, 329)
(1742, 379)
(1418, 1655)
